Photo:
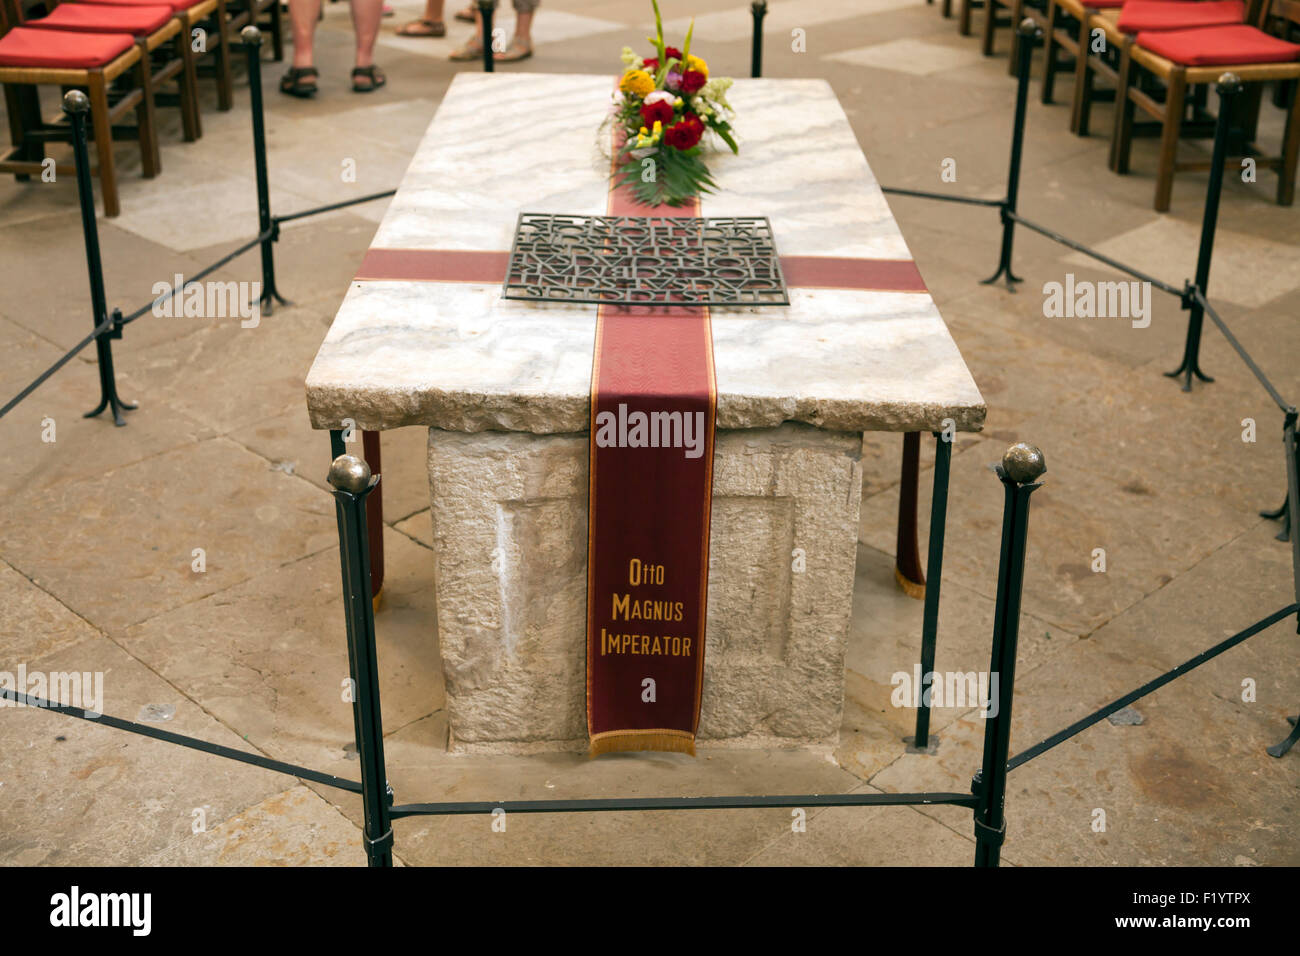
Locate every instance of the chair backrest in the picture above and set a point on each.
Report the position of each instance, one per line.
(1288, 10)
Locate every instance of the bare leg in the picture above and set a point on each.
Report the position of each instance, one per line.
(524, 29)
(303, 15)
(366, 15)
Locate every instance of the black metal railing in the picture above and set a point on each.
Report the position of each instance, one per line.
(1020, 470)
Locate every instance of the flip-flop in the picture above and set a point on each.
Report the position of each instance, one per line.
(473, 50)
(292, 82)
(373, 73)
(423, 28)
(466, 15)
(513, 53)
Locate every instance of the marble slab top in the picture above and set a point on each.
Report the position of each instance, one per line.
(458, 356)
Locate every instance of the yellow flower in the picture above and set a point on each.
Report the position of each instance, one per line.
(637, 82)
(659, 128)
(693, 62)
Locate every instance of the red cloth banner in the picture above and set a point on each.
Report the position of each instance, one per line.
(650, 493)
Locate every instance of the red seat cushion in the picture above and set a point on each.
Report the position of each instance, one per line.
(1139, 15)
(176, 5)
(59, 49)
(1219, 46)
(97, 18)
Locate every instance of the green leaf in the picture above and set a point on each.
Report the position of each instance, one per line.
(725, 133)
(686, 48)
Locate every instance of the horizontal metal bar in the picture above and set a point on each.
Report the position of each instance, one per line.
(99, 330)
(687, 803)
(1080, 247)
(1082, 725)
(193, 743)
(1245, 356)
(334, 205)
(942, 197)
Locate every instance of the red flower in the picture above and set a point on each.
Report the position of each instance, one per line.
(651, 65)
(692, 80)
(685, 134)
(671, 52)
(659, 110)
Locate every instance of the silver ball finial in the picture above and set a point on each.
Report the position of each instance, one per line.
(1229, 83)
(349, 473)
(1023, 463)
(1027, 27)
(75, 101)
(251, 35)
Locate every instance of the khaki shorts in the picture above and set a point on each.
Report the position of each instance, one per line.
(522, 6)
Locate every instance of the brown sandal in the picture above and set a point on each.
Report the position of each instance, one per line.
(423, 28)
(472, 50)
(371, 73)
(516, 51)
(466, 15)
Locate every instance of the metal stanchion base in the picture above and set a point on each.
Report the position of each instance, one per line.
(930, 749)
(1284, 514)
(1279, 750)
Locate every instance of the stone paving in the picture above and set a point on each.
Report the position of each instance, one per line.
(100, 526)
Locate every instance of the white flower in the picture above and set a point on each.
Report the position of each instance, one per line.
(657, 96)
(643, 153)
(630, 59)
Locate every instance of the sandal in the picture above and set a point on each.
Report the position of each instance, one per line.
(472, 50)
(517, 50)
(466, 15)
(423, 28)
(371, 73)
(292, 82)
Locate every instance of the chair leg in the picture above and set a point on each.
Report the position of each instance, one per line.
(103, 127)
(23, 108)
(1017, 14)
(1121, 138)
(963, 25)
(187, 88)
(277, 27)
(1083, 77)
(1049, 53)
(225, 87)
(146, 119)
(1290, 149)
(990, 24)
(1173, 124)
(947, 9)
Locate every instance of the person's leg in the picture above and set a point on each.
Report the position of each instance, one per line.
(521, 44)
(472, 49)
(366, 15)
(430, 25)
(303, 15)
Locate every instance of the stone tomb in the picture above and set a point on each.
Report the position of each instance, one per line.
(503, 387)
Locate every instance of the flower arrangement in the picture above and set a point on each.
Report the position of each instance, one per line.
(665, 105)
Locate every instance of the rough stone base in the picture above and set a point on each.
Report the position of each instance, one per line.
(510, 542)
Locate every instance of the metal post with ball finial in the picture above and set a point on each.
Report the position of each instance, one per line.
(351, 480)
(1021, 468)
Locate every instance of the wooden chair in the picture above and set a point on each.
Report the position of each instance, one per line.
(209, 15)
(1181, 60)
(1065, 30)
(30, 58)
(1118, 27)
(155, 28)
(266, 15)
